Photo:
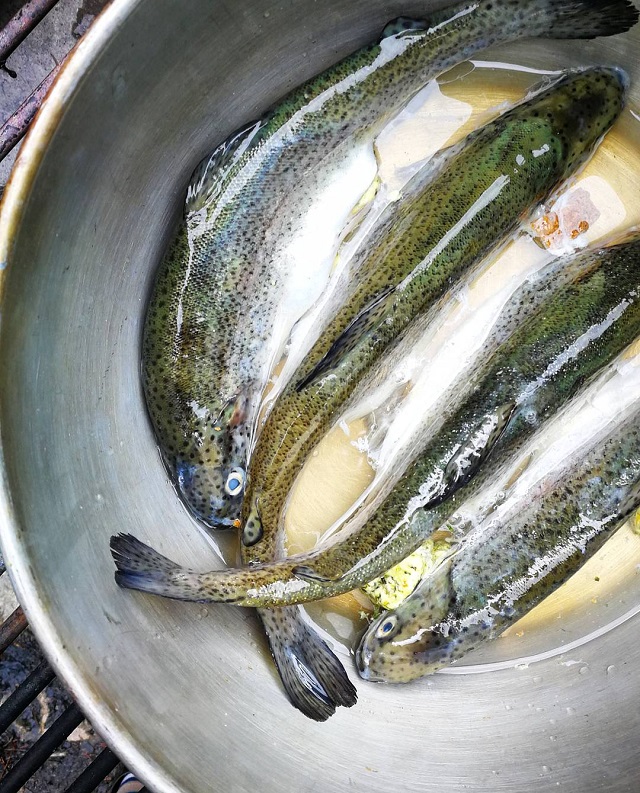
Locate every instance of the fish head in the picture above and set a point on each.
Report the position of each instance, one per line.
(568, 120)
(210, 474)
(420, 636)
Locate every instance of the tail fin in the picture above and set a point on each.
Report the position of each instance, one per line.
(142, 568)
(313, 678)
(588, 19)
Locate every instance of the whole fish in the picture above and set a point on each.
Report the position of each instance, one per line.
(512, 561)
(203, 369)
(468, 210)
(580, 327)
(209, 335)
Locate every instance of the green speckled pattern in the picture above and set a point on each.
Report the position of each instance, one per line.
(206, 339)
(467, 211)
(206, 342)
(509, 564)
(205, 348)
(570, 336)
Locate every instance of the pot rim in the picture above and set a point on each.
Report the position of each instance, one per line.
(78, 64)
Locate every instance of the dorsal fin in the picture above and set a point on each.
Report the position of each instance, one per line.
(364, 323)
(209, 176)
(307, 573)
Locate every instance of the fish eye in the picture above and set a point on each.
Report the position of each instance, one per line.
(235, 482)
(387, 627)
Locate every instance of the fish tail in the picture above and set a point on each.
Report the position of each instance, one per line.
(142, 568)
(584, 19)
(313, 677)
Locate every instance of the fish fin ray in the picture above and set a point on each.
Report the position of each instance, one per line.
(142, 568)
(252, 531)
(471, 454)
(307, 573)
(466, 462)
(313, 677)
(364, 323)
(403, 25)
(210, 175)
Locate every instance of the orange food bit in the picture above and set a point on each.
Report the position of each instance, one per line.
(582, 227)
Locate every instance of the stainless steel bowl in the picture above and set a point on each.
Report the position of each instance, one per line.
(188, 696)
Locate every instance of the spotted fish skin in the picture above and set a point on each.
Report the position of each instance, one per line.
(202, 368)
(575, 331)
(509, 564)
(206, 349)
(472, 205)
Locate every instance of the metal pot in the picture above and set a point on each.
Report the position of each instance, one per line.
(186, 695)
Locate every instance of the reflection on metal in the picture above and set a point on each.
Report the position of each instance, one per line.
(11, 132)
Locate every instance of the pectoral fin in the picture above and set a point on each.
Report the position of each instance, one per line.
(252, 531)
(466, 462)
(313, 576)
(471, 454)
(366, 321)
(209, 177)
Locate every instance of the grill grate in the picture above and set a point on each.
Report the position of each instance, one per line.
(15, 774)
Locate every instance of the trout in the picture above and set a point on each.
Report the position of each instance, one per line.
(522, 552)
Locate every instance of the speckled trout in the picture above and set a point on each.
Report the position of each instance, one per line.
(509, 562)
(468, 210)
(209, 334)
(580, 328)
(208, 341)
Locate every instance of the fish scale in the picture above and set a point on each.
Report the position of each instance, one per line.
(201, 352)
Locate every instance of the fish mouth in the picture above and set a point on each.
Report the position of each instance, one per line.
(363, 654)
(201, 490)
(619, 74)
(220, 524)
(363, 658)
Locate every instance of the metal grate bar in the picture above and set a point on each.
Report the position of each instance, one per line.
(16, 126)
(26, 692)
(91, 777)
(19, 26)
(39, 753)
(11, 628)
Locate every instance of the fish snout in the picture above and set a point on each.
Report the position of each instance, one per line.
(416, 638)
(213, 495)
(368, 662)
(384, 655)
(210, 470)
